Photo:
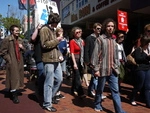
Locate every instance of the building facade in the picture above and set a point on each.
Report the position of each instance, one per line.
(84, 13)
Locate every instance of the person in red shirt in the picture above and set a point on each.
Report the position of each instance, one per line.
(76, 51)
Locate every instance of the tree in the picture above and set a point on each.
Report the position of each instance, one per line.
(7, 22)
(13, 17)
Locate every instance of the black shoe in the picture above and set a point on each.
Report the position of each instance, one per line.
(54, 101)
(51, 109)
(58, 97)
(61, 96)
(91, 95)
(15, 99)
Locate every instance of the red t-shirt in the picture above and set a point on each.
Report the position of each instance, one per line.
(74, 47)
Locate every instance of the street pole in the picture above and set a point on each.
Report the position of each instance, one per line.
(8, 11)
(7, 18)
(28, 13)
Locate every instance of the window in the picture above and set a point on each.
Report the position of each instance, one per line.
(65, 11)
(80, 3)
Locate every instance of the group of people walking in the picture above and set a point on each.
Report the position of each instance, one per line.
(100, 52)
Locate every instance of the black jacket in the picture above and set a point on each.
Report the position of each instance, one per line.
(88, 48)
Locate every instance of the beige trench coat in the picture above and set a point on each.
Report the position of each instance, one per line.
(14, 69)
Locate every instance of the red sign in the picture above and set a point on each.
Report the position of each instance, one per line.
(122, 20)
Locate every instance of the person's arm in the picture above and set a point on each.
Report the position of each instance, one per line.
(72, 54)
(95, 59)
(45, 39)
(35, 33)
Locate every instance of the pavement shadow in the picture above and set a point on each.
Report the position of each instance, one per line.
(33, 97)
(5, 93)
(87, 102)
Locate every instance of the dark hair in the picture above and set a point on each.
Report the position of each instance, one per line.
(105, 23)
(53, 18)
(144, 40)
(12, 28)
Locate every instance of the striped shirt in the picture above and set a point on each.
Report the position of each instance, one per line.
(105, 55)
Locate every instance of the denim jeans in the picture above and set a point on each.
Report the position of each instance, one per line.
(93, 83)
(142, 80)
(63, 65)
(40, 68)
(41, 77)
(113, 85)
(53, 79)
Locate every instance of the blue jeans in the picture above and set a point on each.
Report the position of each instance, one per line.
(113, 85)
(63, 66)
(41, 77)
(142, 80)
(53, 79)
(93, 83)
(40, 68)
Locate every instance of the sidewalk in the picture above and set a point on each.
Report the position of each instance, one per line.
(70, 104)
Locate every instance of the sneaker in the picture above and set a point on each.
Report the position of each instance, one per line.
(51, 109)
(103, 97)
(133, 103)
(61, 96)
(57, 97)
(98, 110)
(74, 93)
(54, 101)
(91, 94)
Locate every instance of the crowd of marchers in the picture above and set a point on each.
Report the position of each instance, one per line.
(53, 56)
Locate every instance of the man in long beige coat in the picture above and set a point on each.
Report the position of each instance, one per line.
(11, 50)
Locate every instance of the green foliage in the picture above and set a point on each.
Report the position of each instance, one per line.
(7, 22)
(22, 36)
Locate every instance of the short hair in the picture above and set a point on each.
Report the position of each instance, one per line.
(146, 27)
(53, 18)
(96, 24)
(104, 25)
(12, 28)
(145, 40)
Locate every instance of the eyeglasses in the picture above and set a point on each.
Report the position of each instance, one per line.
(148, 31)
(121, 36)
(98, 28)
(78, 32)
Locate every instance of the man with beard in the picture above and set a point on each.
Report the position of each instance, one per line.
(105, 63)
(11, 51)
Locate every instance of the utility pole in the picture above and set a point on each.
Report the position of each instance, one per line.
(28, 13)
(8, 11)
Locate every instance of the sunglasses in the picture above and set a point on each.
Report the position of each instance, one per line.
(98, 28)
(121, 36)
(78, 32)
(148, 31)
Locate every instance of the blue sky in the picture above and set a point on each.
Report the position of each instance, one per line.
(13, 7)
